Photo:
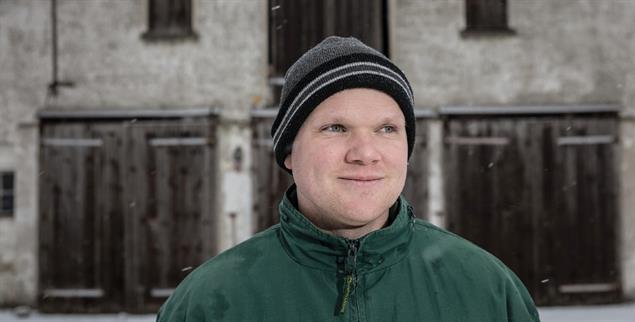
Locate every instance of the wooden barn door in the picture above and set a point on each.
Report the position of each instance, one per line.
(540, 194)
(81, 220)
(580, 207)
(169, 194)
(127, 210)
(489, 166)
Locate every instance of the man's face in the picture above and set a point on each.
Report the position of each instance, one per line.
(349, 160)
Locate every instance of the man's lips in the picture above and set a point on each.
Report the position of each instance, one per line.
(362, 179)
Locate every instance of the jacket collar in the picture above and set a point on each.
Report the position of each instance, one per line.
(310, 246)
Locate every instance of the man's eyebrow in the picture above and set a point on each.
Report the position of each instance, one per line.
(336, 118)
(393, 119)
(332, 119)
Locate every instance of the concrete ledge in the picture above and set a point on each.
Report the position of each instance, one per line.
(529, 109)
(126, 114)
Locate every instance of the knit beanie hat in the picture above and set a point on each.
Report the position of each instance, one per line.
(332, 66)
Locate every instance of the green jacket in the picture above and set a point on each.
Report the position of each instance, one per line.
(408, 271)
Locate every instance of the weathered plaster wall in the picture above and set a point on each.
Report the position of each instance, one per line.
(103, 54)
(24, 63)
(563, 52)
(24, 74)
(18, 234)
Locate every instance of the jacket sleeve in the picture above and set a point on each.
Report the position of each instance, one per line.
(520, 306)
(194, 302)
(170, 313)
(178, 306)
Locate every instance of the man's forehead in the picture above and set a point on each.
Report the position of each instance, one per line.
(386, 113)
(345, 107)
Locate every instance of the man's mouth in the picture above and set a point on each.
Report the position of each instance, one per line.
(362, 179)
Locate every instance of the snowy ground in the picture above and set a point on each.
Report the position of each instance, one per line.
(608, 313)
(8, 316)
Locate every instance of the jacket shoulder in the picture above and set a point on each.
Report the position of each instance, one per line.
(460, 260)
(447, 241)
(205, 293)
(435, 242)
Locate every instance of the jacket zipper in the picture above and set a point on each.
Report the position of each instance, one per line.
(350, 278)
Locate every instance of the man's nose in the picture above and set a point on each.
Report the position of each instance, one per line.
(362, 149)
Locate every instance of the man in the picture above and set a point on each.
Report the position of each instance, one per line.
(348, 247)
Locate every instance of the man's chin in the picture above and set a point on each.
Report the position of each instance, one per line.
(359, 214)
(354, 192)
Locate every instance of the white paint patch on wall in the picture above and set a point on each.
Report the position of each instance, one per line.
(436, 200)
(236, 201)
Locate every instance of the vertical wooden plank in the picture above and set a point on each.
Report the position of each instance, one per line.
(110, 206)
(209, 210)
(416, 187)
(133, 157)
(451, 193)
(531, 145)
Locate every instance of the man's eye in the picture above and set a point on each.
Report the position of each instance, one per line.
(335, 128)
(389, 129)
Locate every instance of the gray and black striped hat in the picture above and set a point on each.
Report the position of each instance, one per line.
(334, 65)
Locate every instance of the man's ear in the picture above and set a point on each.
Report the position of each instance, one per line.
(287, 162)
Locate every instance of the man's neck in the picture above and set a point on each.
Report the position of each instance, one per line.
(341, 230)
(347, 231)
(356, 232)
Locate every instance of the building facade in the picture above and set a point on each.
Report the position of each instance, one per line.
(133, 135)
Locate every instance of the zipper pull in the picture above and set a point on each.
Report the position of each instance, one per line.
(348, 282)
(350, 268)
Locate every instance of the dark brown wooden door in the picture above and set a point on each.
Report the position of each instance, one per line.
(127, 210)
(295, 26)
(539, 193)
(169, 180)
(81, 249)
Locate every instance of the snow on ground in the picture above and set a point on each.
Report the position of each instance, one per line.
(9, 316)
(606, 313)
